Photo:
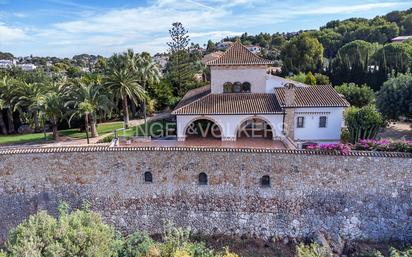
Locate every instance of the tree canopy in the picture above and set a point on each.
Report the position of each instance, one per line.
(395, 97)
(303, 53)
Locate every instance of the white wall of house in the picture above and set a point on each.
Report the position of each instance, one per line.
(229, 124)
(255, 75)
(312, 132)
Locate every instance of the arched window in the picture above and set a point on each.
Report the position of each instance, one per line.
(265, 181)
(228, 87)
(148, 177)
(202, 179)
(246, 87)
(237, 87)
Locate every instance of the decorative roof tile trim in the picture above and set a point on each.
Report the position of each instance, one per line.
(238, 54)
(71, 149)
(316, 96)
(231, 104)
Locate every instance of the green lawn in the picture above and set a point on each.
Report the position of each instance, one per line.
(155, 128)
(21, 139)
(102, 128)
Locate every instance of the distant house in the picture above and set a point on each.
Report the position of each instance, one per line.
(401, 39)
(7, 64)
(254, 49)
(27, 66)
(243, 101)
(223, 45)
(161, 60)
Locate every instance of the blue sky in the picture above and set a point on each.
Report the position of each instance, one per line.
(67, 27)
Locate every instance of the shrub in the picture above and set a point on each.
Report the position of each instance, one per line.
(345, 136)
(393, 252)
(372, 253)
(107, 139)
(36, 236)
(357, 95)
(310, 79)
(227, 253)
(384, 145)
(322, 79)
(363, 123)
(342, 148)
(312, 250)
(395, 97)
(80, 233)
(137, 244)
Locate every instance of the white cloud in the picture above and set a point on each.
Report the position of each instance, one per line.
(350, 8)
(11, 34)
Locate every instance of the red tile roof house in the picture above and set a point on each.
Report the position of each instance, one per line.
(244, 101)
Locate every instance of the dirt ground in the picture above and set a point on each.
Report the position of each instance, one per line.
(397, 130)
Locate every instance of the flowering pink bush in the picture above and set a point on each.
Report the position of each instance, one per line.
(386, 145)
(342, 148)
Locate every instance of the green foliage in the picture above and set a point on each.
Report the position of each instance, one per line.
(394, 56)
(227, 253)
(357, 95)
(312, 250)
(393, 252)
(80, 233)
(395, 97)
(345, 136)
(303, 53)
(372, 253)
(163, 93)
(36, 236)
(322, 79)
(137, 244)
(310, 79)
(363, 123)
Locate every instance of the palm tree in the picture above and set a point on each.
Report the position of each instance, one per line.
(7, 86)
(53, 106)
(2, 124)
(86, 99)
(123, 83)
(147, 73)
(30, 96)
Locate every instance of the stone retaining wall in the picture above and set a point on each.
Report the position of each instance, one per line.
(360, 196)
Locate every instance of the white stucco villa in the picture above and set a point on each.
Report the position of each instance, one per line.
(244, 101)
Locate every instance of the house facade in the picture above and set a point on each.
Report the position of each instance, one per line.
(242, 100)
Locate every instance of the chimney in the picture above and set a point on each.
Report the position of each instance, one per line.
(289, 119)
(290, 94)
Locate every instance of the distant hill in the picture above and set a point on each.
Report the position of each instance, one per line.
(6, 56)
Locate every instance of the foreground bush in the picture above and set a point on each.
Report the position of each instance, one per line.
(80, 233)
(138, 244)
(312, 250)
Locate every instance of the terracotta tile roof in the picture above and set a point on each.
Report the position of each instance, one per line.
(232, 103)
(193, 95)
(238, 54)
(316, 96)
